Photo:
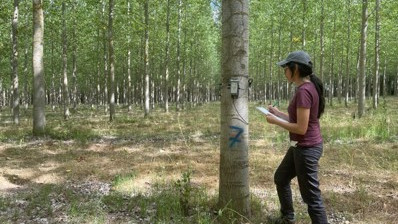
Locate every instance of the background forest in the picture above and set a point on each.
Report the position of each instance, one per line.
(132, 109)
(184, 53)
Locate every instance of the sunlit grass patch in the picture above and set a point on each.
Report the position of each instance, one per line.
(339, 123)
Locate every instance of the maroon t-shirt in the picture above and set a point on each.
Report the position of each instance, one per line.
(306, 96)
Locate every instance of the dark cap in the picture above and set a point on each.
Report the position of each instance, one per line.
(301, 57)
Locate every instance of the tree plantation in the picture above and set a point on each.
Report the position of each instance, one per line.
(137, 111)
(103, 53)
(147, 54)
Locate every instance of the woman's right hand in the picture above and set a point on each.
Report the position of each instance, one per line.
(273, 110)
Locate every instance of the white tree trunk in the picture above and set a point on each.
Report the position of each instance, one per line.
(111, 63)
(234, 164)
(377, 58)
(178, 97)
(65, 90)
(15, 81)
(74, 64)
(129, 90)
(146, 59)
(362, 60)
(166, 64)
(321, 40)
(39, 93)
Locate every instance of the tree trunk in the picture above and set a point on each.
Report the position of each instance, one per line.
(331, 75)
(362, 60)
(74, 64)
(348, 52)
(340, 79)
(166, 64)
(279, 76)
(146, 58)
(178, 97)
(105, 97)
(234, 165)
(15, 81)
(27, 95)
(377, 58)
(111, 63)
(383, 82)
(321, 40)
(129, 97)
(303, 41)
(1, 94)
(39, 93)
(184, 71)
(271, 61)
(65, 90)
(396, 82)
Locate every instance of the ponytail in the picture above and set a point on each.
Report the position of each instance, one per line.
(319, 88)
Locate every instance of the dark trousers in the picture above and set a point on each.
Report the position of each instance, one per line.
(303, 163)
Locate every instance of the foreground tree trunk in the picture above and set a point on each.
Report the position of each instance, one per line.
(234, 165)
(39, 93)
(362, 60)
(15, 93)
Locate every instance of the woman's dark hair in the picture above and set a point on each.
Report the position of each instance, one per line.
(305, 71)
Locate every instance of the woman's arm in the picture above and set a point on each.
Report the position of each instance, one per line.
(278, 113)
(303, 117)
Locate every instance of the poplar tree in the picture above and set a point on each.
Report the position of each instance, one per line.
(234, 164)
(15, 78)
(39, 93)
(362, 60)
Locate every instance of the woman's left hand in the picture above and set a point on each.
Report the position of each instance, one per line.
(271, 119)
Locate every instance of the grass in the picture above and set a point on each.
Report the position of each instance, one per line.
(164, 168)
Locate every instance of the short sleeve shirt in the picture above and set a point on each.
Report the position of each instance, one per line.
(306, 96)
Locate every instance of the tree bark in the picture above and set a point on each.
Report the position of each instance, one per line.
(271, 60)
(340, 79)
(15, 81)
(39, 93)
(111, 63)
(348, 52)
(27, 95)
(105, 97)
(178, 97)
(74, 63)
(331, 75)
(166, 63)
(129, 95)
(146, 59)
(303, 35)
(234, 165)
(377, 58)
(396, 82)
(321, 40)
(362, 60)
(65, 90)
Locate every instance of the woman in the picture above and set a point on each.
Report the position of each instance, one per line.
(301, 159)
